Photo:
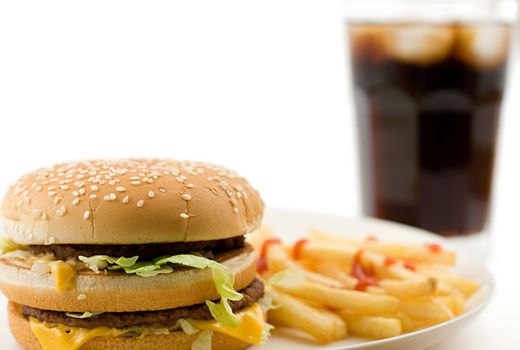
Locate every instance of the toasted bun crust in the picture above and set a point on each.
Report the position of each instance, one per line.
(176, 340)
(130, 202)
(116, 292)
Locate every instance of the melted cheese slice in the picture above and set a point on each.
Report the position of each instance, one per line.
(64, 276)
(250, 328)
(68, 338)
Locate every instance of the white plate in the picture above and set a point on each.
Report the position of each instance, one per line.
(291, 225)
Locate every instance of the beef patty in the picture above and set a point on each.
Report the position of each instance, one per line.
(144, 251)
(163, 318)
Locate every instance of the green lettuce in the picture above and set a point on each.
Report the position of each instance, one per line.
(83, 315)
(222, 277)
(8, 245)
(203, 341)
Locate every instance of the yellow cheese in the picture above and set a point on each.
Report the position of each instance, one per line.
(60, 337)
(250, 328)
(64, 276)
(68, 338)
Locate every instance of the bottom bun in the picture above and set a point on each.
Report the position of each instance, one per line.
(176, 340)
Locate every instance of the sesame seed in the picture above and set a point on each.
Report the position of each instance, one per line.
(50, 188)
(180, 179)
(56, 200)
(86, 214)
(161, 189)
(94, 188)
(82, 191)
(190, 185)
(79, 183)
(64, 187)
(62, 210)
(120, 189)
(111, 182)
(52, 193)
(125, 199)
(75, 201)
(229, 193)
(19, 203)
(38, 188)
(184, 216)
(140, 203)
(151, 194)
(235, 210)
(135, 183)
(92, 196)
(186, 196)
(112, 196)
(81, 297)
(36, 212)
(75, 193)
(134, 178)
(44, 215)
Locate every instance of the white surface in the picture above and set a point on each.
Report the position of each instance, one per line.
(291, 225)
(259, 86)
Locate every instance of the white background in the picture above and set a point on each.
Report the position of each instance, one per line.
(258, 86)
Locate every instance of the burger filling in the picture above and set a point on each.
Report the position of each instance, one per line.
(145, 260)
(161, 318)
(143, 251)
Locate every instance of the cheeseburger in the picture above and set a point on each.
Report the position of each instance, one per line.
(132, 254)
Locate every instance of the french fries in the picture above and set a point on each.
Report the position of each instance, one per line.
(373, 327)
(326, 285)
(400, 251)
(371, 304)
(323, 325)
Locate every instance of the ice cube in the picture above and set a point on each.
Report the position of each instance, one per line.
(419, 44)
(483, 46)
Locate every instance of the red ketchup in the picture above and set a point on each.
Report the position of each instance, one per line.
(364, 275)
(409, 265)
(434, 248)
(297, 248)
(390, 260)
(261, 265)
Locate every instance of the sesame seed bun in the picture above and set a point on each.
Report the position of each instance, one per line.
(130, 202)
(175, 340)
(118, 292)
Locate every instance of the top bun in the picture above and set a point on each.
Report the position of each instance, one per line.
(130, 201)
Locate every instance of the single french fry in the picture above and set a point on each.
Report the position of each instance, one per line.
(400, 251)
(257, 238)
(279, 260)
(407, 324)
(465, 285)
(426, 309)
(409, 288)
(316, 250)
(334, 271)
(361, 302)
(373, 327)
(455, 302)
(323, 325)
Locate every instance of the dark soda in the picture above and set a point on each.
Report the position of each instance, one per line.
(428, 100)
